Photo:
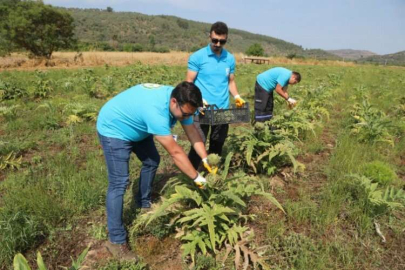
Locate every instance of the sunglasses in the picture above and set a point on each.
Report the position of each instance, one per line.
(221, 41)
(183, 113)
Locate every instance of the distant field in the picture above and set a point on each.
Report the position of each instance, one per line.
(93, 59)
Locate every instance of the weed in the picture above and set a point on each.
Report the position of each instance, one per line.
(379, 172)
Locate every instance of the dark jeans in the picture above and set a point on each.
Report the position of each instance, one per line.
(263, 104)
(117, 153)
(217, 140)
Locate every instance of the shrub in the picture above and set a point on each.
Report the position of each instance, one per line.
(379, 172)
(255, 50)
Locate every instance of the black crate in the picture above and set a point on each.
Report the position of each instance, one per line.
(215, 116)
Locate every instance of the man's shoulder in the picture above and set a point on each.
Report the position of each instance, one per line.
(200, 52)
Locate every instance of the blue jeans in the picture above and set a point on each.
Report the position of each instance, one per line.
(117, 153)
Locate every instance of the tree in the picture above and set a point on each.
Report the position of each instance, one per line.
(110, 9)
(255, 50)
(35, 27)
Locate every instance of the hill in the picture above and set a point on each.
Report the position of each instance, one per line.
(95, 27)
(394, 59)
(351, 54)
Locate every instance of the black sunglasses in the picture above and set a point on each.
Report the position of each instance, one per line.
(183, 113)
(216, 40)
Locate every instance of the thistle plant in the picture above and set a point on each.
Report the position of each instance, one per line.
(209, 219)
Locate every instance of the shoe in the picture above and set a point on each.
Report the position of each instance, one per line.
(121, 251)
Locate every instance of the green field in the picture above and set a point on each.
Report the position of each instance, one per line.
(335, 163)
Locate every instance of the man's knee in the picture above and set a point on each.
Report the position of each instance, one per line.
(152, 161)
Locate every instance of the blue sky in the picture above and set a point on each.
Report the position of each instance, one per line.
(374, 25)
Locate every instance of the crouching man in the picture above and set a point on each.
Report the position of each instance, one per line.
(130, 122)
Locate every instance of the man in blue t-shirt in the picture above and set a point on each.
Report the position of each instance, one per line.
(277, 79)
(128, 123)
(212, 70)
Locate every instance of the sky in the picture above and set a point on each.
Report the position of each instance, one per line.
(374, 25)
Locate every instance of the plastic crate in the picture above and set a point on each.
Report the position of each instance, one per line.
(215, 116)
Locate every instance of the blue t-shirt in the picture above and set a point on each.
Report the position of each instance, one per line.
(213, 75)
(269, 79)
(138, 112)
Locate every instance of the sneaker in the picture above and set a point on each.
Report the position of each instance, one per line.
(121, 251)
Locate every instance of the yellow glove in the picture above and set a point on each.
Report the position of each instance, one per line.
(239, 101)
(212, 170)
(200, 181)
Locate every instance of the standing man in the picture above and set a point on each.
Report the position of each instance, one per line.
(212, 69)
(278, 79)
(128, 123)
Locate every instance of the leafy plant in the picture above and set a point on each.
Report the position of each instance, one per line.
(379, 172)
(208, 219)
(370, 124)
(10, 161)
(20, 262)
(9, 112)
(42, 85)
(375, 201)
(263, 150)
(9, 91)
(78, 113)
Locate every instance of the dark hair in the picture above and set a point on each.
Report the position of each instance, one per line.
(219, 28)
(187, 92)
(297, 75)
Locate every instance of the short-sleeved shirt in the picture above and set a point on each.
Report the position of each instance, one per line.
(213, 74)
(138, 112)
(269, 79)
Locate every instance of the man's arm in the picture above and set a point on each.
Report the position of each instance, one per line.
(195, 140)
(178, 155)
(282, 91)
(191, 75)
(232, 85)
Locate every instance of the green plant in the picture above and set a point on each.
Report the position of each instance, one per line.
(379, 172)
(9, 112)
(10, 161)
(375, 201)
(263, 150)
(214, 159)
(98, 231)
(89, 83)
(255, 50)
(117, 265)
(370, 124)
(43, 86)
(20, 263)
(78, 113)
(208, 219)
(10, 91)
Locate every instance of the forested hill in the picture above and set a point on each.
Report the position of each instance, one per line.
(109, 28)
(395, 59)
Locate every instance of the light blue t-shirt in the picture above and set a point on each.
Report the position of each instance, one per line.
(138, 112)
(213, 75)
(269, 79)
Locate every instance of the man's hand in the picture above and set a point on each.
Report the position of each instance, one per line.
(205, 105)
(291, 102)
(200, 181)
(211, 170)
(239, 101)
